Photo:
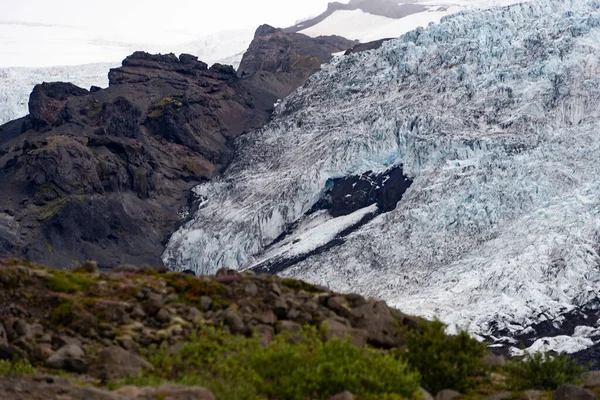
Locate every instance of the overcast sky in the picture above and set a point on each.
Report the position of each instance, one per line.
(139, 20)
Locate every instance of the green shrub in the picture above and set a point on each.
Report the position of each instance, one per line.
(16, 367)
(62, 314)
(541, 371)
(298, 366)
(445, 362)
(69, 282)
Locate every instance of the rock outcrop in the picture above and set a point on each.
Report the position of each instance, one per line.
(106, 174)
(284, 60)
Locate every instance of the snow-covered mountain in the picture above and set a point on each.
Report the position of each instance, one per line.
(84, 57)
(494, 117)
(368, 21)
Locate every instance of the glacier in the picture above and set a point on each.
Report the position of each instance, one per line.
(494, 115)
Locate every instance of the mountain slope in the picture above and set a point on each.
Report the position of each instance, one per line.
(105, 174)
(493, 116)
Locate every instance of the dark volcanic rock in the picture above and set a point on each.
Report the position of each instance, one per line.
(47, 102)
(292, 57)
(359, 48)
(359, 191)
(106, 174)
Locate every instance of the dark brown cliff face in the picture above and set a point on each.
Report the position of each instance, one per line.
(286, 60)
(106, 175)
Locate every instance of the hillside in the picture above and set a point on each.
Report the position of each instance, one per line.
(141, 333)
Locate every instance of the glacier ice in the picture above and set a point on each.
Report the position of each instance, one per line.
(494, 114)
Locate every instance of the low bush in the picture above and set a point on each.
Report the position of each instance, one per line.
(543, 372)
(298, 366)
(445, 362)
(16, 367)
(69, 282)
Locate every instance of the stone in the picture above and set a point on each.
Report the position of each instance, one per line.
(68, 358)
(42, 351)
(129, 391)
(22, 328)
(138, 312)
(153, 303)
(572, 392)
(293, 314)
(335, 329)
(163, 315)
(193, 314)
(266, 334)
(376, 318)
(251, 289)
(343, 396)
(266, 317)
(591, 379)
(447, 395)
(355, 300)
(281, 308)
(175, 392)
(288, 326)
(336, 302)
(234, 321)
(205, 303)
(115, 362)
(275, 289)
(425, 395)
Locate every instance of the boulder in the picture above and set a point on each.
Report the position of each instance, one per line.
(69, 358)
(335, 329)
(288, 326)
(115, 362)
(378, 321)
(234, 321)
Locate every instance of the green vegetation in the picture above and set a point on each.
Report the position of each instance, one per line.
(69, 282)
(16, 367)
(298, 366)
(541, 371)
(63, 314)
(191, 289)
(445, 362)
(159, 108)
(299, 285)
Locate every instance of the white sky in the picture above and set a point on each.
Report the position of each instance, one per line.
(159, 20)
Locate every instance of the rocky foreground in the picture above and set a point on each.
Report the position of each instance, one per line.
(77, 334)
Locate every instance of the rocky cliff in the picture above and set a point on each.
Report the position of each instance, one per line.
(105, 174)
(283, 60)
